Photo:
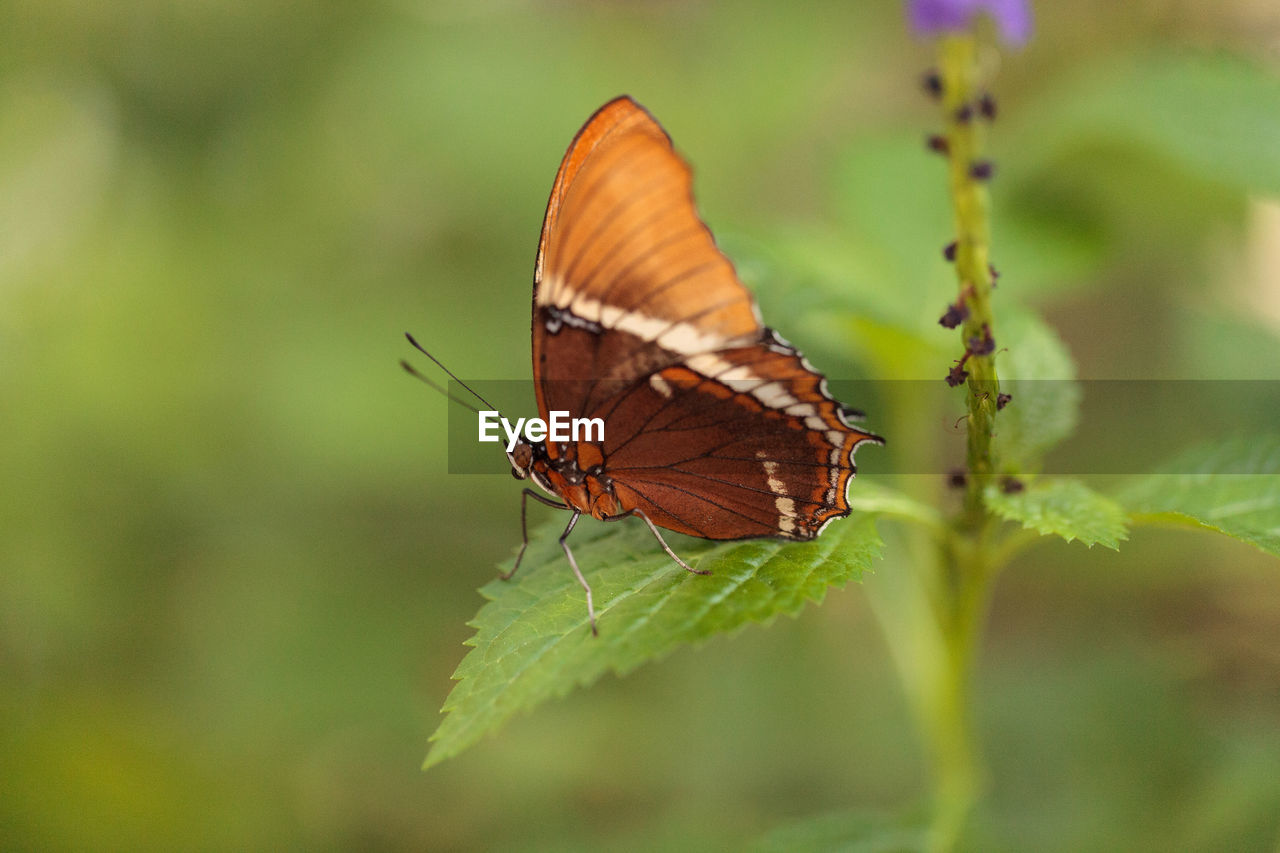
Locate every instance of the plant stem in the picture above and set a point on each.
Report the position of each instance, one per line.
(962, 603)
(965, 567)
(958, 70)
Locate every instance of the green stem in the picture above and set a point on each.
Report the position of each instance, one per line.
(958, 69)
(962, 604)
(967, 557)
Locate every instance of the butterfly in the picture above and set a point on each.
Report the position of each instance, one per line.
(714, 426)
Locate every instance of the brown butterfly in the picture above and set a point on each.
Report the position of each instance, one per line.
(713, 425)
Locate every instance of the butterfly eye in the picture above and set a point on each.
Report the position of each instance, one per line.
(521, 458)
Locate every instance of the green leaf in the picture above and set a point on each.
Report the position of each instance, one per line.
(851, 832)
(1067, 508)
(1038, 372)
(533, 642)
(1232, 487)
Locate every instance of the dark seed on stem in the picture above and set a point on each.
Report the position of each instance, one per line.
(984, 345)
(932, 84)
(987, 106)
(1011, 485)
(956, 314)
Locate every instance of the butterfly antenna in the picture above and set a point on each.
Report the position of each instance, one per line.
(412, 371)
(437, 363)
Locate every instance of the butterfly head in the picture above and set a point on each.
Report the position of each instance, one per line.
(521, 458)
(529, 459)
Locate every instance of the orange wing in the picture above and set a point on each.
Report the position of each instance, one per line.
(623, 251)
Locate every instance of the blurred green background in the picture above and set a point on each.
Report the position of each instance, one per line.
(235, 574)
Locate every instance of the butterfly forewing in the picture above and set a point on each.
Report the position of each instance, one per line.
(625, 260)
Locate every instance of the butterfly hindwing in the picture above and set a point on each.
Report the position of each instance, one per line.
(737, 443)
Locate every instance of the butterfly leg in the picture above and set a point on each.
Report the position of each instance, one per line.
(524, 526)
(638, 513)
(573, 564)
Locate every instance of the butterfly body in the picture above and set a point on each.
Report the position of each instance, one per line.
(588, 490)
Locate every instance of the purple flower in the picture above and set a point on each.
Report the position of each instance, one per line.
(931, 17)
